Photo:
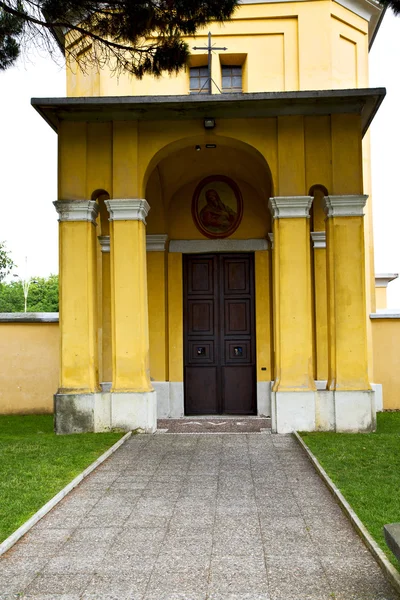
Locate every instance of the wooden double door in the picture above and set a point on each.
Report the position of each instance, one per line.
(219, 334)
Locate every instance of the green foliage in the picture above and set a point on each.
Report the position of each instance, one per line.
(35, 464)
(42, 296)
(366, 469)
(6, 263)
(137, 36)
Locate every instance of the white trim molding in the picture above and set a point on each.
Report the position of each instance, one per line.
(130, 209)
(104, 241)
(344, 206)
(29, 317)
(318, 239)
(382, 280)
(224, 245)
(271, 239)
(386, 313)
(156, 242)
(77, 210)
(290, 207)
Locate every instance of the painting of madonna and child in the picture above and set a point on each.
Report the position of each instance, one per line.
(217, 206)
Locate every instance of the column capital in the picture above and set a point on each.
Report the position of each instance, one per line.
(129, 209)
(104, 241)
(344, 206)
(77, 210)
(290, 207)
(156, 242)
(318, 239)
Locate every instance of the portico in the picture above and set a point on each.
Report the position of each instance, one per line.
(132, 338)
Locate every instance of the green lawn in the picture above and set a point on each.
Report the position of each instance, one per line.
(366, 469)
(35, 464)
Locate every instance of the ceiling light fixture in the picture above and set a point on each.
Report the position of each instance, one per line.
(209, 123)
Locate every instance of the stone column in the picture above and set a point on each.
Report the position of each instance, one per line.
(75, 401)
(133, 400)
(354, 408)
(293, 397)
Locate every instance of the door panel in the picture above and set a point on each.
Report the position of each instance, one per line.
(237, 317)
(201, 390)
(238, 384)
(201, 317)
(219, 334)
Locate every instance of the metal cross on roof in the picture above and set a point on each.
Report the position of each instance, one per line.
(210, 49)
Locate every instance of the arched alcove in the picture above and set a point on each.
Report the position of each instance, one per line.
(318, 191)
(178, 169)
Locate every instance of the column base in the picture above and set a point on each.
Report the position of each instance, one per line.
(170, 400)
(134, 410)
(355, 411)
(264, 398)
(293, 411)
(347, 412)
(82, 413)
(105, 411)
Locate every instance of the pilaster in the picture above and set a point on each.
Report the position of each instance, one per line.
(133, 397)
(318, 239)
(158, 313)
(293, 391)
(78, 307)
(106, 371)
(347, 318)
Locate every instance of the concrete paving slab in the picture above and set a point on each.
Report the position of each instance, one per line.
(196, 517)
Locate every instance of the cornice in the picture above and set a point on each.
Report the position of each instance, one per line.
(156, 242)
(382, 280)
(77, 210)
(318, 239)
(290, 207)
(344, 206)
(130, 209)
(104, 241)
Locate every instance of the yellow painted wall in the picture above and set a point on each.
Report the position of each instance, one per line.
(263, 293)
(283, 46)
(386, 342)
(175, 316)
(29, 367)
(381, 297)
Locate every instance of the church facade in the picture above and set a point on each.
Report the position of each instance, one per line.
(216, 252)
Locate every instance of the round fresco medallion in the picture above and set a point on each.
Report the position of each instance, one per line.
(217, 206)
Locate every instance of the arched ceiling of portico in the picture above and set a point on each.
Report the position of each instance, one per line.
(188, 164)
(179, 172)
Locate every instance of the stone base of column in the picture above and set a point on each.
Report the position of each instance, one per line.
(293, 411)
(105, 411)
(347, 412)
(82, 413)
(355, 411)
(134, 410)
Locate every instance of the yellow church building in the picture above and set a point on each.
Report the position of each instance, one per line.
(216, 252)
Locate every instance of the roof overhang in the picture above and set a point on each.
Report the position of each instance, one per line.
(363, 102)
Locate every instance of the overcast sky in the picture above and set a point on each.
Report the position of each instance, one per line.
(28, 161)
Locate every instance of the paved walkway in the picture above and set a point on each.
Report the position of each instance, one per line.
(196, 517)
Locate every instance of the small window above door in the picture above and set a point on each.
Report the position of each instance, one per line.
(231, 79)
